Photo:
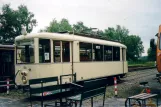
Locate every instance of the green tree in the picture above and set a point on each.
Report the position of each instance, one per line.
(134, 47)
(64, 25)
(152, 50)
(109, 33)
(118, 34)
(12, 21)
(133, 42)
(56, 26)
(79, 27)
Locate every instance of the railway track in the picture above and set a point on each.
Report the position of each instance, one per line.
(130, 85)
(133, 78)
(139, 74)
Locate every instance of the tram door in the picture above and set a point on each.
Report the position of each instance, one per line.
(6, 63)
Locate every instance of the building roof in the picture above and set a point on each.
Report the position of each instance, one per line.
(6, 47)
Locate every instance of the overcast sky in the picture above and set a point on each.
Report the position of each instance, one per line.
(141, 17)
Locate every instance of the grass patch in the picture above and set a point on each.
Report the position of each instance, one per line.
(141, 64)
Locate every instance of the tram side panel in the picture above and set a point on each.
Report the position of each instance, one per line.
(89, 70)
(22, 73)
(41, 71)
(95, 69)
(125, 64)
(125, 67)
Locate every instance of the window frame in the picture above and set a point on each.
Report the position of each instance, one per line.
(111, 53)
(61, 51)
(118, 54)
(60, 44)
(45, 51)
(91, 52)
(69, 50)
(101, 50)
(16, 49)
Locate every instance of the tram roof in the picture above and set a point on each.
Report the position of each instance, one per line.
(68, 37)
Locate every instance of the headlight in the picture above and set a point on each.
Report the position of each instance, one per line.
(24, 80)
(24, 74)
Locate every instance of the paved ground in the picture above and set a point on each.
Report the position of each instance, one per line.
(128, 87)
(6, 102)
(110, 102)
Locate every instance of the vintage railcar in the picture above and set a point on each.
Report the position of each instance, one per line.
(54, 54)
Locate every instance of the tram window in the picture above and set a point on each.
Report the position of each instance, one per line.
(97, 52)
(25, 52)
(116, 54)
(44, 50)
(85, 51)
(107, 53)
(66, 51)
(57, 51)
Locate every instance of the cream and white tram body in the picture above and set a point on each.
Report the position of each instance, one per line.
(43, 55)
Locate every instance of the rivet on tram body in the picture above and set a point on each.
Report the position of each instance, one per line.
(29, 69)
